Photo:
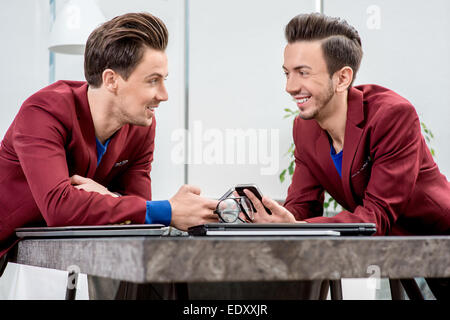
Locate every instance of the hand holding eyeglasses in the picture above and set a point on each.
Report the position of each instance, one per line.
(235, 209)
(190, 209)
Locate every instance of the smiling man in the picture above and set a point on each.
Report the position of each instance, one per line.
(363, 144)
(80, 153)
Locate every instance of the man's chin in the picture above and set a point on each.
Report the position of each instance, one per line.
(306, 116)
(145, 123)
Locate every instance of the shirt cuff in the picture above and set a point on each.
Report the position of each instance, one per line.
(158, 212)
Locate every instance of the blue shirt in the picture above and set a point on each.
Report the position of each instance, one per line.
(337, 159)
(157, 211)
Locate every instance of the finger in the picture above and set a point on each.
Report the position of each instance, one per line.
(211, 219)
(243, 217)
(210, 216)
(235, 194)
(76, 179)
(211, 204)
(256, 203)
(260, 218)
(269, 203)
(81, 187)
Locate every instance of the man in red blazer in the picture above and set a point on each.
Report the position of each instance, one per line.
(363, 144)
(80, 153)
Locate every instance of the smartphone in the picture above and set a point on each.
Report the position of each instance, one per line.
(254, 189)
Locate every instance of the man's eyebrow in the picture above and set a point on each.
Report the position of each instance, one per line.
(156, 74)
(302, 66)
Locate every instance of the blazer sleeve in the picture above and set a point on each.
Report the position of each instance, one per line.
(136, 179)
(395, 145)
(39, 139)
(305, 194)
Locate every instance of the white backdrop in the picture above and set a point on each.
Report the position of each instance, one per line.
(236, 84)
(167, 176)
(407, 48)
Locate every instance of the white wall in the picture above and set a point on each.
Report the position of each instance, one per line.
(167, 176)
(24, 27)
(407, 48)
(236, 82)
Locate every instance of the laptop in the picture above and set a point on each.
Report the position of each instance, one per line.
(283, 229)
(92, 231)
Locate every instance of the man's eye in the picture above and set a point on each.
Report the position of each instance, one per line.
(153, 81)
(303, 73)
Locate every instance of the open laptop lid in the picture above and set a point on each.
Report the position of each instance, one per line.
(280, 229)
(92, 231)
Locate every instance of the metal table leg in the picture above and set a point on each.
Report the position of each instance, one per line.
(336, 289)
(72, 281)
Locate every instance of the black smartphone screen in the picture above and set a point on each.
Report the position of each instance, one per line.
(254, 189)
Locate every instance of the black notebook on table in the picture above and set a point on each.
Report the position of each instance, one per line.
(283, 229)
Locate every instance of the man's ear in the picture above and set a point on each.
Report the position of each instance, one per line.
(110, 79)
(344, 78)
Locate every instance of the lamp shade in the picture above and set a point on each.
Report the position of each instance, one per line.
(72, 26)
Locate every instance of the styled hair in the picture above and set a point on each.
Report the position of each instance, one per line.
(119, 45)
(341, 44)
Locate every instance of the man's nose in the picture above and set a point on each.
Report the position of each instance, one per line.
(162, 93)
(293, 85)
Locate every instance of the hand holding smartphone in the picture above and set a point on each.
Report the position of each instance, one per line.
(254, 189)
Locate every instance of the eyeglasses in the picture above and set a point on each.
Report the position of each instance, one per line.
(229, 210)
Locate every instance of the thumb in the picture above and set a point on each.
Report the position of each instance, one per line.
(193, 189)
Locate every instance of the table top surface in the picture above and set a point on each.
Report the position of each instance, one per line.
(204, 259)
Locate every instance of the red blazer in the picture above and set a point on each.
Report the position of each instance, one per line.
(53, 138)
(388, 174)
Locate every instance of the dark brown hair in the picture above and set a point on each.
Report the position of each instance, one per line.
(341, 43)
(119, 44)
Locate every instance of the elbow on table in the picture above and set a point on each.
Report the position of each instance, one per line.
(58, 208)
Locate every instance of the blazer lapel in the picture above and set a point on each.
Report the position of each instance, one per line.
(322, 149)
(332, 182)
(115, 148)
(87, 128)
(353, 134)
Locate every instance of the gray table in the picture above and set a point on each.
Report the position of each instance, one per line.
(225, 259)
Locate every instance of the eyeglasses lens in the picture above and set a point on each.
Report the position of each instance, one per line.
(247, 205)
(228, 210)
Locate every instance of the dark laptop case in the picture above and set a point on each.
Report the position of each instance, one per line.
(92, 231)
(342, 229)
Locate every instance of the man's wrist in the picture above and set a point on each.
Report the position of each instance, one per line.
(158, 212)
